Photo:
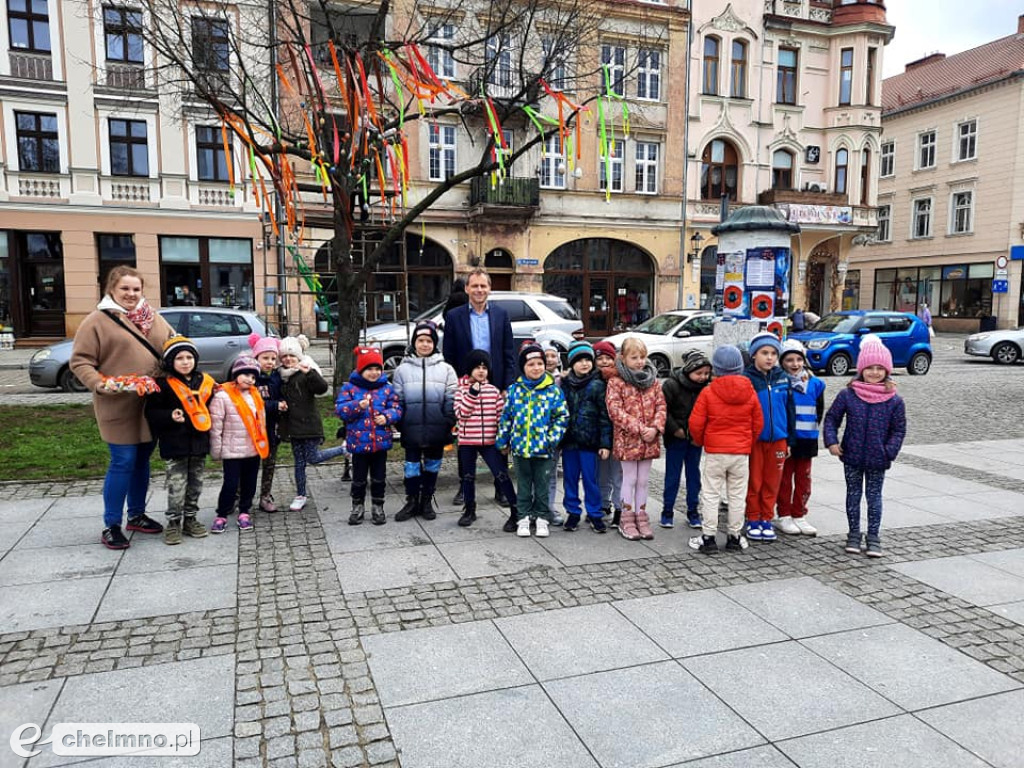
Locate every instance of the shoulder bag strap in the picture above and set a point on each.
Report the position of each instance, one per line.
(134, 335)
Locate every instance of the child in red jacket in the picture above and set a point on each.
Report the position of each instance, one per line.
(726, 420)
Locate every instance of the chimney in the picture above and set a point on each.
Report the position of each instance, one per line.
(1020, 24)
(929, 59)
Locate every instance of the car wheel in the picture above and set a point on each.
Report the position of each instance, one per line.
(839, 364)
(662, 365)
(392, 359)
(70, 383)
(919, 364)
(1006, 353)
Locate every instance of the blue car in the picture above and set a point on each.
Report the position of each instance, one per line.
(834, 341)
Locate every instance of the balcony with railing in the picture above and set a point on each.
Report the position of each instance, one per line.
(516, 197)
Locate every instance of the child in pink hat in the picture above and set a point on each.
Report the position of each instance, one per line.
(876, 423)
(268, 384)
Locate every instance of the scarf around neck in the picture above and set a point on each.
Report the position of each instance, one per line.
(797, 383)
(577, 382)
(642, 379)
(873, 393)
(142, 317)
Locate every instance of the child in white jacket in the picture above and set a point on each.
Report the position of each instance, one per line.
(238, 437)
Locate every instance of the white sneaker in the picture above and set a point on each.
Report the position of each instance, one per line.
(297, 503)
(542, 528)
(523, 528)
(786, 525)
(805, 528)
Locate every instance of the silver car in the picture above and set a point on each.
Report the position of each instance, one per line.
(539, 316)
(220, 335)
(1005, 347)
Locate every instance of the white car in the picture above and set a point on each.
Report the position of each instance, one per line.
(670, 335)
(539, 316)
(1005, 347)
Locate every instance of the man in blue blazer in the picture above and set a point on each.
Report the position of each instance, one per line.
(477, 325)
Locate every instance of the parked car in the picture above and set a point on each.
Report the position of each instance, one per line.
(834, 343)
(670, 335)
(220, 335)
(1005, 347)
(539, 316)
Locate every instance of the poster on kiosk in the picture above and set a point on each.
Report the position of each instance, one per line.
(753, 284)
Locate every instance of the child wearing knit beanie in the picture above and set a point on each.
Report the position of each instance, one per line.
(681, 388)
(876, 424)
(268, 384)
(609, 473)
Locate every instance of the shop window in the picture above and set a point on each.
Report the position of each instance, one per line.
(851, 290)
(210, 271)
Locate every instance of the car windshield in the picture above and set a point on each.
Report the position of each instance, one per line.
(835, 323)
(562, 308)
(661, 325)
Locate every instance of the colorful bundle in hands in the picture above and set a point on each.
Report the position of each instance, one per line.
(140, 385)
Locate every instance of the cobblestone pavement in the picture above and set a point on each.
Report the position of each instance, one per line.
(287, 639)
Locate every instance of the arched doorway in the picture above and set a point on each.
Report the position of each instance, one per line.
(610, 282)
(708, 273)
(498, 263)
(425, 282)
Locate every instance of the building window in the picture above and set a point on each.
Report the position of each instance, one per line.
(29, 24)
(613, 62)
(648, 75)
(114, 251)
(210, 45)
(961, 212)
(711, 58)
(926, 149)
(552, 163)
(439, 52)
(967, 140)
(738, 72)
(129, 151)
(845, 77)
(38, 143)
(719, 172)
(556, 63)
(782, 169)
(611, 166)
(499, 61)
(785, 83)
(865, 176)
(442, 152)
(922, 218)
(884, 234)
(122, 31)
(646, 167)
(211, 271)
(842, 168)
(887, 163)
(211, 163)
(869, 77)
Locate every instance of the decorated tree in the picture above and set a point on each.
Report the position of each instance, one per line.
(318, 102)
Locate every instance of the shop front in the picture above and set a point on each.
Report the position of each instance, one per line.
(32, 296)
(958, 295)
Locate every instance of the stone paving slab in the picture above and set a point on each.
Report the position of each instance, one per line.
(696, 623)
(51, 603)
(31, 566)
(1011, 611)
(909, 668)
(510, 728)
(1009, 560)
(989, 727)
(214, 753)
(967, 578)
(427, 664)
(564, 643)
(612, 711)
(61, 532)
(180, 591)
(21, 704)
(381, 569)
(897, 742)
(493, 557)
(804, 607)
(785, 704)
(758, 757)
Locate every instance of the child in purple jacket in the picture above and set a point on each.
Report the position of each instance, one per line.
(876, 423)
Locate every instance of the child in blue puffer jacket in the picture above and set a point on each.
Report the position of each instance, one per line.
(368, 405)
(876, 423)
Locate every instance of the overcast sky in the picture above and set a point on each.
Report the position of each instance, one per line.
(926, 26)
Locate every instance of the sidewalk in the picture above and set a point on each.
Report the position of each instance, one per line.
(310, 642)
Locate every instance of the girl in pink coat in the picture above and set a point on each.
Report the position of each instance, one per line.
(636, 406)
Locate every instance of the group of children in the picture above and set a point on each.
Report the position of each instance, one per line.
(741, 434)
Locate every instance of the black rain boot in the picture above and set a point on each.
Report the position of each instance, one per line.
(358, 512)
(616, 516)
(512, 523)
(412, 500)
(346, 475)
(426, 510)
(469, 516)
(377, 512)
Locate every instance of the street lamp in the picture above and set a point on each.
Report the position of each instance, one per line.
(695, 240)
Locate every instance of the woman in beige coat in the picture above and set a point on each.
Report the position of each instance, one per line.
(123, 336)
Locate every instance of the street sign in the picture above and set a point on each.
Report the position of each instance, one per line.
(1002, 262)
(1000, 286)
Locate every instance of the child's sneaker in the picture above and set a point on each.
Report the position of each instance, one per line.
(572, 522)
(597, 523)
(874, 547)
(244, 522)
(805, 528)
(192, 527)
(788, 526)
(853, 543)
(542, 528)
(219, 524)
(693, 518)
(735, 544)
(556, 518)
(616, 517)
(297, 504)
(172, 532)
(767, 532)
(754, 530)
(667, 521)
(523, 528)
(708, 545)
(267, 503)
